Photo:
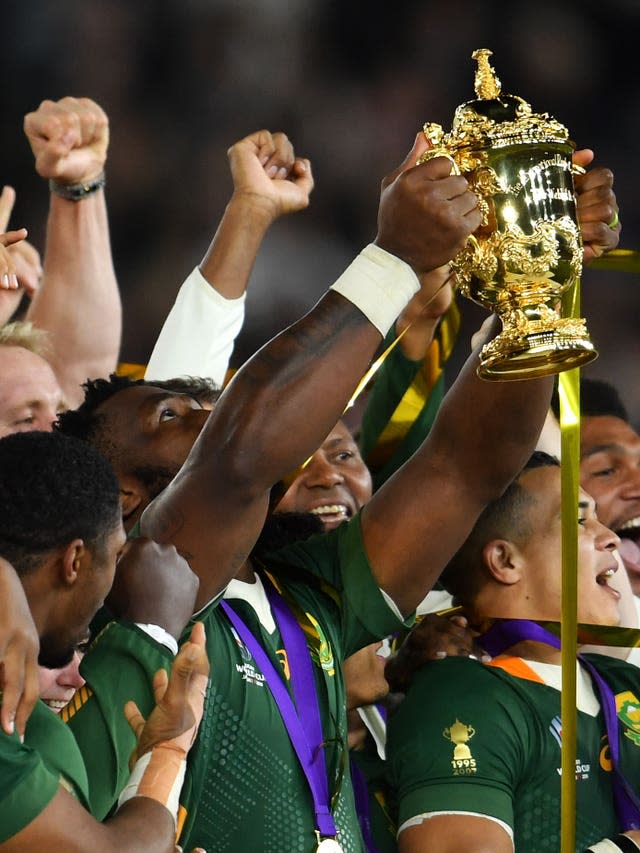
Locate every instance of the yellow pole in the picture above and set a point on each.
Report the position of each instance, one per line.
(569, 390)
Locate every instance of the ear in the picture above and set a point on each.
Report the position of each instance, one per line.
(72, 558)
(131, 496)
(502, 559)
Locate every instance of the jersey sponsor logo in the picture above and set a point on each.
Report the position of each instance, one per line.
(283, 657)
(605, 755)
(462, 763)
(556, 729)
(582, 769)
(248, 671)
(245, 654)
(628, 709)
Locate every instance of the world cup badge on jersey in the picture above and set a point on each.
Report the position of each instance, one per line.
(462, 763)
(628, 709)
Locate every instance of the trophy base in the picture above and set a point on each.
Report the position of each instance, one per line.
(539, 353)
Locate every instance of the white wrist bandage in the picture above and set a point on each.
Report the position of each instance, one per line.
(159, 775)
(379, 284)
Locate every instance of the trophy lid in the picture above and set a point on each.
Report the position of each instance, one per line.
(496, 120)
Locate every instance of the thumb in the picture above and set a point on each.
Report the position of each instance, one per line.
(420, 145)
(583, 157)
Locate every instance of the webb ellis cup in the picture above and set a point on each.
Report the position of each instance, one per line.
(527, 251)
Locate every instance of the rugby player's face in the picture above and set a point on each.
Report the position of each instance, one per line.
(542, 553)
(610, 472)
(30, 396)
(334, 484)
(84, 595)
(153, 428)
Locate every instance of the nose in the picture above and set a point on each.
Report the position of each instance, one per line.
(70, 675)
(45, 418)
(606, 540)
(321, 473)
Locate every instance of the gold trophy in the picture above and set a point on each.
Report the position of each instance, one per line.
(528, 250)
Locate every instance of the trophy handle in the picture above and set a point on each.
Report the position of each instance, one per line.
(435, 137)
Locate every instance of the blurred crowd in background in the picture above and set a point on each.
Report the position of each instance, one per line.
(351, 83)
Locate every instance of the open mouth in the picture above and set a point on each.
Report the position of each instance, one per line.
(603, 578)
(55, 704)
(332, 513)
(629, 548)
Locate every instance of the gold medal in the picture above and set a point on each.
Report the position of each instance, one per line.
(328, 845)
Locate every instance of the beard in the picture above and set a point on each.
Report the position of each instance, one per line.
(53, 654)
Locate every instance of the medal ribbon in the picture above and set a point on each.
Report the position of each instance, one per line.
(305, 734)
(507, 633)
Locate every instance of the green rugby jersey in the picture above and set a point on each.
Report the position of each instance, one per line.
(244, 789)
(487, 739)
(31, 773)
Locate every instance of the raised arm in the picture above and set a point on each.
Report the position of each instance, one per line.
(78, 301)
(481, 438)
(284, 401)
(198, 335)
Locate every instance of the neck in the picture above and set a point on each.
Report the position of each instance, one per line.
(246, 573)
(356, 731)
(532, 650)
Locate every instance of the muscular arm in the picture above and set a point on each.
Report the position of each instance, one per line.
(285, 400)
(452, 833)
(483, 435)
(142, 826)
(78, 301)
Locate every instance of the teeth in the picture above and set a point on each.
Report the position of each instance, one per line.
(56, 704)
(603, 577)
(632, 524)
(330, 509)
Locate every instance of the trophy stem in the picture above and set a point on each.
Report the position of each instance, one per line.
(535, 342)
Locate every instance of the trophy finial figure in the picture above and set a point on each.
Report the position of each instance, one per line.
(486, 83)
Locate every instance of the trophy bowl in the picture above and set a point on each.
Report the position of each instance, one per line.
(527, 251)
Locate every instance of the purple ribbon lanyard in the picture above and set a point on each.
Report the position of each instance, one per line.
(507, 633)
(307, 739)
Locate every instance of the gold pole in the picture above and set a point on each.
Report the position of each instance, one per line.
(569, 388)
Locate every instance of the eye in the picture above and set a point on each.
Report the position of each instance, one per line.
(344, 455)
(167, 415)
(582, 521)
(604, 472)
(23, 422)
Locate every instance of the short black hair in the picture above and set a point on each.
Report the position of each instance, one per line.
(597, 399)
(54, 488)
(502, 518)
(201, 388)
(85, 422)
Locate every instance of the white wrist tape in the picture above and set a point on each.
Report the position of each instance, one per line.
(379, 284)
(608, 845)
(159, 775)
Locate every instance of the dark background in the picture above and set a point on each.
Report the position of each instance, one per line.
(350, 83)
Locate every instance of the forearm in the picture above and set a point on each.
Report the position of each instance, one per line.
(78, 301)
(482, 437)
(229, 259)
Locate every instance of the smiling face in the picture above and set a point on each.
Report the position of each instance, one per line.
(610, 472)
(541, 554)
(57, 686)
(334, 484)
